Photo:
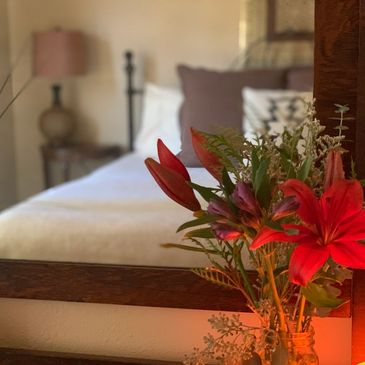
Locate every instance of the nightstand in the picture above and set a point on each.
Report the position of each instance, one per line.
(66, 156)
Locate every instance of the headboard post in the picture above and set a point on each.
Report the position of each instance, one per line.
(129, 68)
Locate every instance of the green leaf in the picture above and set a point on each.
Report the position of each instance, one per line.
(319, 296)
(227, 182)
(206, 193)
(261, 184)
(200, 233)
(197, 222)
(255, 163)
(188, 248)
(215, 277)
(287, 165)
(305, 168)
(275, 225)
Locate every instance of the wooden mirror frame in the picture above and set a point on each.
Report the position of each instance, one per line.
(339, 78)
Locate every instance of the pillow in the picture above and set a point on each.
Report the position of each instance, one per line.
(160, 119)
(213, 100)
(271, 110)
(300, 78)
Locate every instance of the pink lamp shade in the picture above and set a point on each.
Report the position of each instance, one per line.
(59, 53)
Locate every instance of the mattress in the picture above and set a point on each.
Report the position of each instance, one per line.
(115, 215)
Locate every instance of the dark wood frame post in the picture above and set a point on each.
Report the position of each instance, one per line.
(339, 77)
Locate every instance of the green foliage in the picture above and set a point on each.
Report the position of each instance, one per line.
(321, 296)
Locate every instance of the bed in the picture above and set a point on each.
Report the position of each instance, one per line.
(104, 276)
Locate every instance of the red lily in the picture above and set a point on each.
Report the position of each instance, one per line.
(173, 178)
(208, 159)
(334, 168)
(332, 227)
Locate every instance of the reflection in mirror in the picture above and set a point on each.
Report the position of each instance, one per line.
(200, 35)
(277, 33)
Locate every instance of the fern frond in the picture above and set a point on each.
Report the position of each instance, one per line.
(216, 277)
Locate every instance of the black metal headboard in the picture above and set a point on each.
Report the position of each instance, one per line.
(131, 91)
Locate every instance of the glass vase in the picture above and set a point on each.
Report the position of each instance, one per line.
(301, 349)
(294, 349)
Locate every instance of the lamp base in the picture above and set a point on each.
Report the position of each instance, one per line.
(57, 124)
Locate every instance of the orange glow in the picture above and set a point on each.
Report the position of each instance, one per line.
(361, 363)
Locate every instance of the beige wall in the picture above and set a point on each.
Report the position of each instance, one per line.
(128, 331)
(7, 160)
(161, 32)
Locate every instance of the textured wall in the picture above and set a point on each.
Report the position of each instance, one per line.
(7, 160)
(161, 32)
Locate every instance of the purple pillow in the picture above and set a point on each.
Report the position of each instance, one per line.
(213, 100)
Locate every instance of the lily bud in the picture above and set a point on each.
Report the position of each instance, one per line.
(207, 158)
(225, 232)
(173, 178)
(244, 199)
(221, 208)
(285, 208)
(333, 168)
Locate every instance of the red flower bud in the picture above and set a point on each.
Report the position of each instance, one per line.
(285, 208)
(168, 159)
(221, 208)
(207, 158)
(172, 177)
(225, 232)
(333, 169)
(244, 199)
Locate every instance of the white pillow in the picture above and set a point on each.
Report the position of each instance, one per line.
(160, 119)
(271, 110)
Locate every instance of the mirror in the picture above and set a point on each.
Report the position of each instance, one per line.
(162, 34)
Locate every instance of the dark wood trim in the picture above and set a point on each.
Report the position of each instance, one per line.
(113, 284)
(339, 77)
(124, 285)
(358, 318)
(31, 357)
(360, 115)
(271, 31)
(336, 64)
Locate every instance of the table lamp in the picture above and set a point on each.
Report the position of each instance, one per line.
(58, 54)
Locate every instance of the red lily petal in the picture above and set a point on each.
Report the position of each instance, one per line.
(342, 199)
(308, 209)
(168, 159)
(267, 235)
(207, 158)
(349, 254)
(334, 168)
(305, 261)
(173, 184)
(352, 228)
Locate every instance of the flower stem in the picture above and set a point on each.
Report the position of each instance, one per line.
(275, 294)
(301, 314)
(246, 279)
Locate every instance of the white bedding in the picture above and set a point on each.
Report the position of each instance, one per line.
(116, 215)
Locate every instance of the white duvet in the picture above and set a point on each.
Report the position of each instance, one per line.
(116, 215)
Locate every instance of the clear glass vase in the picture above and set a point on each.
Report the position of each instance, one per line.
(294, 349)
(301, 349)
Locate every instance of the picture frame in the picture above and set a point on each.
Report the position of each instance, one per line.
(286, 20)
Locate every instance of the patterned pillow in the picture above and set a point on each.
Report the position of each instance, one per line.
(270, 111)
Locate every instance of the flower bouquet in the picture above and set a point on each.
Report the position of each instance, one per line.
(283, 208)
